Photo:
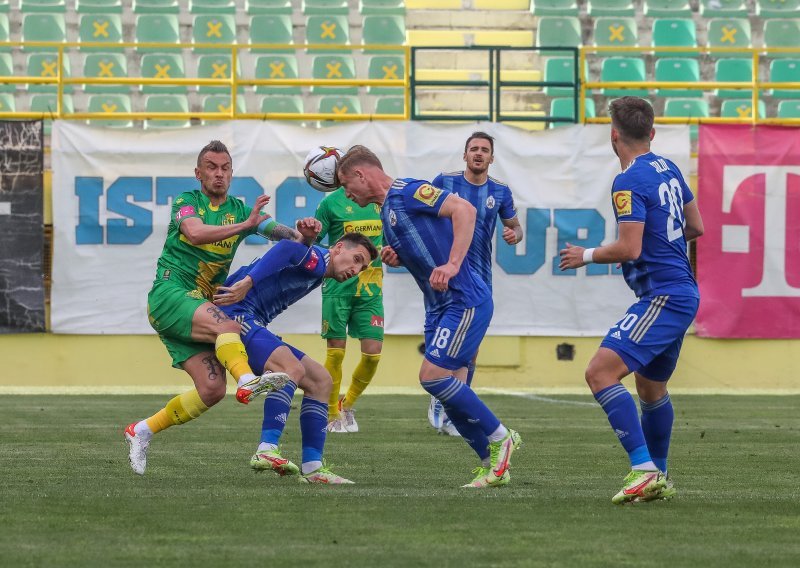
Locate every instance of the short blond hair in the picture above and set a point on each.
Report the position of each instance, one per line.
(356, 156)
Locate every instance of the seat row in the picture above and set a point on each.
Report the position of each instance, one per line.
(667, 8)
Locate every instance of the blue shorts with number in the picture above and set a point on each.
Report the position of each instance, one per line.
(649, 336)
(261, 342)
(453, 336)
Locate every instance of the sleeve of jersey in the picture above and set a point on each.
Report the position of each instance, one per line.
(322, 216)
(438, 181)
(628, 199)
(283, 254)
(425, 198)
(183, 207)
(507, 208)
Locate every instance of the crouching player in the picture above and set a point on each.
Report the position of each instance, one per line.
(254, 295)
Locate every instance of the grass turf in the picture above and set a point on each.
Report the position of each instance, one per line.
(68, 496)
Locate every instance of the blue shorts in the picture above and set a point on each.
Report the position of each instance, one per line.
(649, 336)
(453, 336)
(261, 342)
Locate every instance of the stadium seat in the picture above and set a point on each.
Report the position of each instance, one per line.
(110, 104)
(6, 70)
(4, 31)
(687, 108)
(782, 33)
(43, 27)
(565, 108)
(340, 105)
(616, 31)
(101, 28)
(212, 7)
(667, 9)
(48, 104)
(255, 7)
(271, 28)
(46, 6)
(738, 108)
(390, 105)
(723, 8)
(386, 67)
(156, 7)
(277, 66)
(98, 6)
(729, 32)
(166, 103)
(562, 70)
(623, 69)
(46, 65)
(333, 30)
(738, 70)
(222, 103)
(555, 31)
(777, 8)
(785, 71)
(214, 66)
(284, 104)
(106, 65)
(7, 103)
(674, 33)
(598, 8)
(676, 69)
(333, 67)
(5, 6)
(386, 30)
(382, 7)
(157, 28)
(554, 8)
(325, 8)
(217, 29)
(163, 66)
(789, 109)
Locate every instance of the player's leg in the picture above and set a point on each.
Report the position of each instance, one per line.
(335, 313)
(447, 426)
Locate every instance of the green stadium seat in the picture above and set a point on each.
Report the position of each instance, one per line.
(214, 66)
(340, 105)
(676, 69)
(101, 28)
(163, 66)
(222, 103)
(382, 7)
(723, 8)
(554, 8)
(277, 66)
(156, 7)
(386, 67)
(789, 109)
(738, 108)
(6, 70)
(212, 7)
(674, 33)
(217, 29)
(687, 108)
(782, 33)
(5, 5)
(46, 65)
(110, 104)
(271, 28)
(4, 31)
(332, 31)
(562, 70)
(739, 70)
(255, 7)
(288, 104)
(385, 30)
(556, 31)
(43, 27)
(729, 32)
(623, 69)
(390, 105)
(777, 8)
(46, 6)
(157, 28)
(785, 71)
(98, 6)
(106, 65)
(48, 104)
(325, 8)
(166, 103)
(598, 8)
(7, 103)
(333, 67)
(667, 9)
(565, 108)
(616, 31)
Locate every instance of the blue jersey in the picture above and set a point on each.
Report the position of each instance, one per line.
(491, 199)
(285, 274)
(422, 241)
(652, 191)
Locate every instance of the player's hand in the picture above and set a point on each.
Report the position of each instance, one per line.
(441, 275)
(256, 216)
(229, 295)
(571, 257)
(389, 257)
(509, 236)
(309, 228)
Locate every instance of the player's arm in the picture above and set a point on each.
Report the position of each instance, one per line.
(512, 230)
(694, 222)
(627, 247)
(462, 214)
(198, 233)
(274, 231)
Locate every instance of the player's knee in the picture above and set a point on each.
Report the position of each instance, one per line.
(297, 373)
(230, 326)
(211, 394)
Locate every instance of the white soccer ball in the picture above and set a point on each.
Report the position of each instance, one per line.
(320, 168)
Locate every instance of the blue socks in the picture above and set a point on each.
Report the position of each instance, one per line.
(277, 405)
(623, 416)
(472, 433)
(657, 418)
(313, 428)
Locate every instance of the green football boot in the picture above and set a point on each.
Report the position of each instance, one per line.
(640, 486)
(500, 454)
(272, 460)
(483, 479)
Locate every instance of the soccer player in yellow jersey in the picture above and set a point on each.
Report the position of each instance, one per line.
(206, 228)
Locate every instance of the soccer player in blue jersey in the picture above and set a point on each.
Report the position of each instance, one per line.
(430, 230)
(657, 216)
(253, 296)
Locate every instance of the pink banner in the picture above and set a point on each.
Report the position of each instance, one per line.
(748, 261)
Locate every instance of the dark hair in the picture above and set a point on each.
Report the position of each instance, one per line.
(352, 240)
(482, 136)
(355, 156)
(214, 146)
(632, 117)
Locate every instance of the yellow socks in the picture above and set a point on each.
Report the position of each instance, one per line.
(179, 410)
(362, 375)
(231, 353)
(333, 364)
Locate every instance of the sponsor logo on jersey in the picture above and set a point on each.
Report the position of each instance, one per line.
(622, 202)
(428, 194)
(366, 228)
(392, 218)
(490, 202)
(616, 335)
(435, 353)
(376, 321)
(184, 211)
(313, 261)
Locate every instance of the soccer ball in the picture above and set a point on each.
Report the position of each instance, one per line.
(320, 168)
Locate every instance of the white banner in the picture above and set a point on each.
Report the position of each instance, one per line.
(112, 191)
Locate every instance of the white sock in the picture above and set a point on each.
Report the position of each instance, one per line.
(498, 434)
(646, 466)
(265, 447)
(308, 467)
(142, 429)
(246, 378)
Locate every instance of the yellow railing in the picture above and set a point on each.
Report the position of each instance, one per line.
(234, 82)
(755, 84)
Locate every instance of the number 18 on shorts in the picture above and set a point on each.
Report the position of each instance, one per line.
(452, 338)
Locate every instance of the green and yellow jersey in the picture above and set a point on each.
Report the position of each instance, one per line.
(338, 216)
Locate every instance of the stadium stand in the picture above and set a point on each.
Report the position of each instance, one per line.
(254, 7)
(166, 103)
(7, 103)
(277, 66)
(110, 104)
(105, 65)
(289, 104)
(741, 109)
(163, 66)
(216, 29)
(612, 31)
(157, 28)
(156, 7)
(100, 28)
(785, 71)
(723, 8)
(729, 70)
(43, 27)
(334, 67)
(613, 8)
(270, 28)
(6, 70)
(214, 66)
(623, 69)
(212, 7)
(382, 7)
(554, 8)
(98, 6)
(729, 32)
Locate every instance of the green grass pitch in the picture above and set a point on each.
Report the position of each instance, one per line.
(68, 497)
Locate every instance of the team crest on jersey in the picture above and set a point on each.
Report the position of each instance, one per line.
(201, 211)
(428, 194)
(377, 208)
(490, 202)
(230, 219)
(622, 202)
(392, 218)
(313, 261)
(348, 209)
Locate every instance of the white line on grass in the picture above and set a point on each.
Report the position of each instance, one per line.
(539, 398)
